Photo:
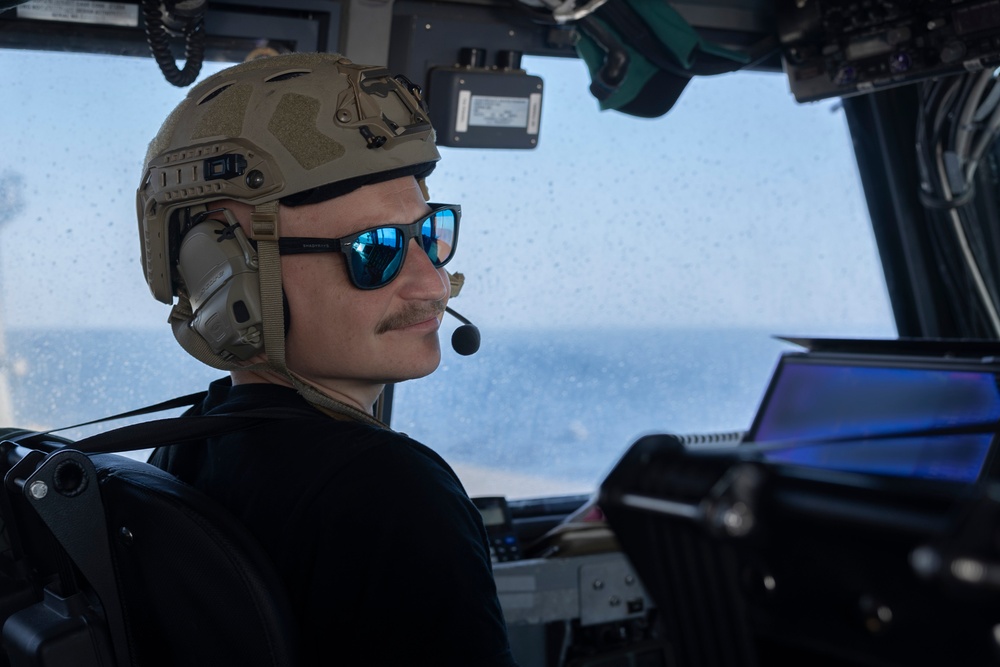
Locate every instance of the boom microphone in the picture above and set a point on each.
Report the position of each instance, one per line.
(466, 338)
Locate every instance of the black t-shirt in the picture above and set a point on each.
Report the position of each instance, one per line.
(384, 556)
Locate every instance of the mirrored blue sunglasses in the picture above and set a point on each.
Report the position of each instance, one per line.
(375, 256)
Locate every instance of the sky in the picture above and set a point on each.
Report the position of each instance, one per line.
(739, 208)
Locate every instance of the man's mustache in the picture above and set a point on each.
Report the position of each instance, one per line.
(412, 314)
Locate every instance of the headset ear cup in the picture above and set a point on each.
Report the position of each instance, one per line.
(219, 270)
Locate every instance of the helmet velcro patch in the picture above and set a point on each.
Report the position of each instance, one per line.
(294, 125)
(224, 116)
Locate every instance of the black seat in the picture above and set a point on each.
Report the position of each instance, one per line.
(177, 580)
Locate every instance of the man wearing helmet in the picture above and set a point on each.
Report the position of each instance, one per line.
(255, 183)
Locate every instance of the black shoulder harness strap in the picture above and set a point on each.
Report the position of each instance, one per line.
(145, 435)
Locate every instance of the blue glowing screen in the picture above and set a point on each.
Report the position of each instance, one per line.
(817, 401)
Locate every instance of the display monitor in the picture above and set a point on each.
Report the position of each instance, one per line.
(929, 419)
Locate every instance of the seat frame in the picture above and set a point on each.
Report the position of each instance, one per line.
(111, 561)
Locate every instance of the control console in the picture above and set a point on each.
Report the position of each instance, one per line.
(836, 48)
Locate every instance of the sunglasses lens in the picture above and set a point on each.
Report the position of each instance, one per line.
(377, 257)
(437, 235)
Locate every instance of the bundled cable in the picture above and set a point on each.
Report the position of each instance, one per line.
(958, 121)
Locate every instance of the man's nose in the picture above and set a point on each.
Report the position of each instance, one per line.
(422, 278)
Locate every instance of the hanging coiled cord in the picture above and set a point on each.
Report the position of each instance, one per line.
(192, 15)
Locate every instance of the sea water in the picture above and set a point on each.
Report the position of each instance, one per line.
(564, 405)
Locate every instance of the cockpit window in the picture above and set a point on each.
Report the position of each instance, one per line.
(627, 275)
(83, 337)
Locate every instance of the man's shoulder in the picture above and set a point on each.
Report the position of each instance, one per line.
(339, 454)
(315, 433)
(280, 416)
(297, 445)
(386, 457)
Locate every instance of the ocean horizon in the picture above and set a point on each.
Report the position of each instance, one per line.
(564, 404)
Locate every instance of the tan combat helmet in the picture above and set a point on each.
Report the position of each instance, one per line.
(297, 129)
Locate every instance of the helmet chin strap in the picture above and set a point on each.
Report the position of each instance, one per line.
(264, 229)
